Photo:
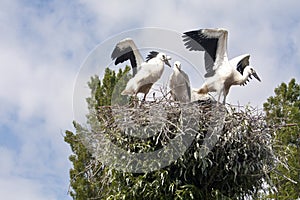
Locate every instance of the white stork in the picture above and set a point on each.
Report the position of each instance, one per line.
(180, 84)
(221, 73)
(127, 50)
(149, 72)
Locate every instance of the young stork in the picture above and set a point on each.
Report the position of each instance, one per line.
(149, 72)
(145, 73)
(180, 84)
(127, 50)
(221, 73)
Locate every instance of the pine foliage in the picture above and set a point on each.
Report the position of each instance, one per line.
(283, 111)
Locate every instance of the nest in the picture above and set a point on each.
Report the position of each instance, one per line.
(200, 143)
(152, 135)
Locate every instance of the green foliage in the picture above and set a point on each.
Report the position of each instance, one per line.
(82, 187)
(236, 166)
(87, 172)
(112, 84)
(283, 111)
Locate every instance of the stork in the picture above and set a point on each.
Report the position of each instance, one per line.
(180, 84)
(127, 50)
(149, 72)
(221, 73)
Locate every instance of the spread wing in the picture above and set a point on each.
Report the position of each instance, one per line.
(240, 63)
(213, 42)
(243, 61)
(127, 50)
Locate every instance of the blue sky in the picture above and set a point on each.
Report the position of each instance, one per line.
(44, 43)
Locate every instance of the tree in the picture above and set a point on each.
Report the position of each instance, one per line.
(84, 164)
(237, 165)
(283, 111)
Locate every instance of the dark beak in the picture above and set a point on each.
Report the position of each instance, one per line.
(256, 76)
(167, 62)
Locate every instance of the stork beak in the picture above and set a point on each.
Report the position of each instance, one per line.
(167, 61)
(256, 76)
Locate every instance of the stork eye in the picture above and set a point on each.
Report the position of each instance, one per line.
(163, 56)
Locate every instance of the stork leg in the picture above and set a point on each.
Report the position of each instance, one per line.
(219, 97)
(224, 100)
(225, 92)
(145, 89)
(154, 96)
(144, 99)
(135, 101)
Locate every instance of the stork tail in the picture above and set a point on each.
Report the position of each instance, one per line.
(203, 90)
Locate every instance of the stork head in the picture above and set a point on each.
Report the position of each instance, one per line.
(164, 58)
(251, 71)
(177, 65)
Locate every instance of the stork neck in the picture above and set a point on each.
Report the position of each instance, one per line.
(176, 70)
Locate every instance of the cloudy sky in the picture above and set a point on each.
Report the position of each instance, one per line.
(43, 44)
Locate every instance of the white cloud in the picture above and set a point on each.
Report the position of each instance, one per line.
(15, 186)
(36, 86)
(19, 188)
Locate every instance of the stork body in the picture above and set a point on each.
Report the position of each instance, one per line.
(149, 72)
(180, 84)
(221, 73)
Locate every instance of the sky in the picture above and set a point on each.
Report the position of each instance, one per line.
(45, 43)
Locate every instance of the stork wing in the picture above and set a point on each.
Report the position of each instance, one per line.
(152, 54)
(172, 81)
(240, 62)
(187, 83)
(127, 50)
(213, 42)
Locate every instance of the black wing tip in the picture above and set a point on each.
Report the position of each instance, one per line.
(115, 53)
(117, 56)
(193, 32)
(241, 64)
(193, 40)
(209, 74)
(187, 36)
(121, 55)
(118, 61)
(152, 54)
(188, 40)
